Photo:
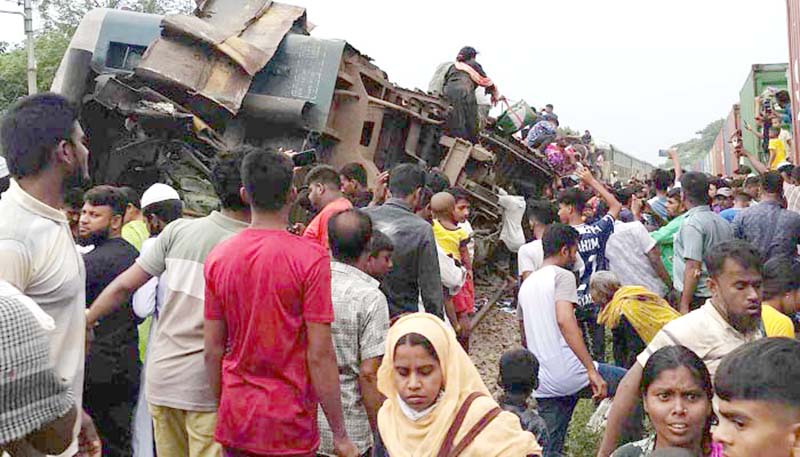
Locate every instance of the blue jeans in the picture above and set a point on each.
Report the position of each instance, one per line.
(557, 411)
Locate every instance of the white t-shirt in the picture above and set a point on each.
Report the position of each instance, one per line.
(531, 256)
(626, 251)
(38, 257)
(151, 296)
(513, 211)
(560, 371)
(471, 246)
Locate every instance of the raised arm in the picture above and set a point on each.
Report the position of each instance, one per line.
(614, 206)
(753, 131)
(757, 164)
(676, 163)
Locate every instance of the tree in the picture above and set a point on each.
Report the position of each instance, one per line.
(60, 18)
(693, 149)
(49, 48)
(65, 15)
(566, 131)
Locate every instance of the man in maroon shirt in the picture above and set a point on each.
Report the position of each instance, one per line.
(268, 312)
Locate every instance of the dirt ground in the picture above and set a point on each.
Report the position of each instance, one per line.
(499, 332)
(495, 334)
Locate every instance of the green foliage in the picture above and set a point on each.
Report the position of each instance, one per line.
(65, 15)
(580, 441)
(49, 48)
(697, 147)
(566, 131)
(60, 18)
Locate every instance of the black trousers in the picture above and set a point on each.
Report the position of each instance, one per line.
(627, 344)
(111, 407)
(593, 333)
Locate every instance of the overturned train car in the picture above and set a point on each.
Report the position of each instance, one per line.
(162, 96)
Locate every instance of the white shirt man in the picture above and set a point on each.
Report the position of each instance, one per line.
(531, 257)
(513, 211)
(627, 252)
(40, 260)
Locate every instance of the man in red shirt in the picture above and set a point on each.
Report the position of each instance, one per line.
(268, 312)
(326, 196)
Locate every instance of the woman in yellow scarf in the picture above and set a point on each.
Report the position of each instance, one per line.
(646, 311)
(431, 385)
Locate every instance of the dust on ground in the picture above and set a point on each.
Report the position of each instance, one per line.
(495, 334)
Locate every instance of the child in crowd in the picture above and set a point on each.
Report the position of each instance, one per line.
(465, 303)
(519, 376)
(759, 400)
(777, 149)
(453, 240)
(381, 248)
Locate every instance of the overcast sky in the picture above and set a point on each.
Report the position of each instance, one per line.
(639, 74)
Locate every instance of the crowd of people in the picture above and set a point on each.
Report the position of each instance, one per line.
(128, 329)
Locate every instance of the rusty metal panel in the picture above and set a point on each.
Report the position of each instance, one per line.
(458, 153)
(197, 70)
(266, 34)
(214, 61)
(793, 17)
(732, 136)
(231, 16)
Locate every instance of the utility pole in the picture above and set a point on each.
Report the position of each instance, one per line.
(27, 14)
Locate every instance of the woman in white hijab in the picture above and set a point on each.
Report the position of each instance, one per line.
(437, 405)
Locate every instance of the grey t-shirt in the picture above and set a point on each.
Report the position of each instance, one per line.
(701, 229)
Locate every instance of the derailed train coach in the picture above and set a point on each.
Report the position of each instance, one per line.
(162, 96)
(618, 165)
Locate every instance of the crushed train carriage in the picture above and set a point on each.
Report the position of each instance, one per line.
(161, 96)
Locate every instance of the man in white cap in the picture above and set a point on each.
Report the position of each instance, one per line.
(179, 393)
(161, 205)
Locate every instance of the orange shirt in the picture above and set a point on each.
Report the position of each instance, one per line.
(318, 227)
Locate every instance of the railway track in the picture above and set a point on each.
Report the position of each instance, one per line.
(499, 293)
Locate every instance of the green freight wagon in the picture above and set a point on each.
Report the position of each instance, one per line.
(761, 77)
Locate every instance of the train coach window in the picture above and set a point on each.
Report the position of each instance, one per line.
(123, 56)
(366, 133)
